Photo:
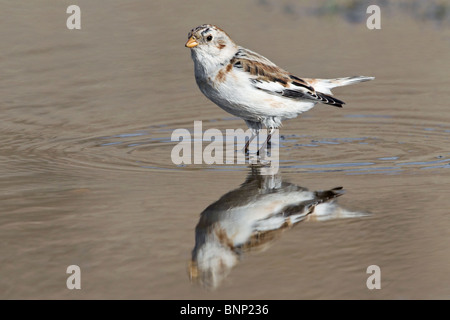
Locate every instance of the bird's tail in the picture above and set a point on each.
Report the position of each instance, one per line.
(324, 85)
(339, 82)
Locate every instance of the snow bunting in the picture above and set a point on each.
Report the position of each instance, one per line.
(251, 217)
(250, 86)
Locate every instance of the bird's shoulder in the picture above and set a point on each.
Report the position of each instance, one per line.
(260, 69)
(257, 66)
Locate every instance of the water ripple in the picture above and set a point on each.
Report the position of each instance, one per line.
(387, 147)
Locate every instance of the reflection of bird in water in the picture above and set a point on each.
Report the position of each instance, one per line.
(250, 217)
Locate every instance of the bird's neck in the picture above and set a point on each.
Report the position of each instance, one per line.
(207, 64)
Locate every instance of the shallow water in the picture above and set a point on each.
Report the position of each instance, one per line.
(86, 176)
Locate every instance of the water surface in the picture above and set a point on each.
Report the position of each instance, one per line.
(86, 176)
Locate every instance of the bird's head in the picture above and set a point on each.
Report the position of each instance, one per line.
(209, 42)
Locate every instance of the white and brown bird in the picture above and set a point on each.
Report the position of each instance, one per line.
(250, 86)
(250, 218)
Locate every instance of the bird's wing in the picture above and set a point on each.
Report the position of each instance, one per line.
(265, 75)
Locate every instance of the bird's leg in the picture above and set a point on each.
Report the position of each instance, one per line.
(268, 143)
(247, 144)
(269, 139)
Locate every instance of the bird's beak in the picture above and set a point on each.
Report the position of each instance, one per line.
(191, 43)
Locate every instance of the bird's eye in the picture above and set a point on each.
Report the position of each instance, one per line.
(209, 38)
